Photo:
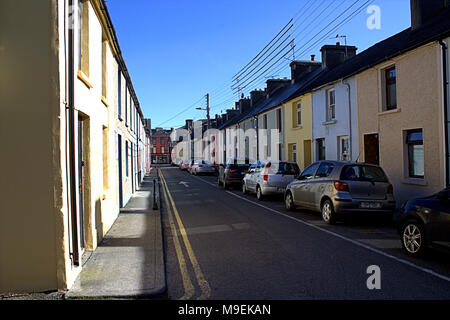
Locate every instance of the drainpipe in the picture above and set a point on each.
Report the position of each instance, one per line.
(349, 120)
(255, 118)
(445, 107)
(71, 101)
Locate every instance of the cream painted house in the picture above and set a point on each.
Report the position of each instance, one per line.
(298, 130)
(402, 105)
(76, 143)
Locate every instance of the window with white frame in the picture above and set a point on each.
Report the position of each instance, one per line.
(344, 148)
(299, 114)
(331, 105)
(294, 152)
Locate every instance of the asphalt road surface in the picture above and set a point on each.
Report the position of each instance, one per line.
(226, 245)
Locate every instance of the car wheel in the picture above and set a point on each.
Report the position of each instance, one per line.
(328, 214)
(259, 194)
(289, 202)
(244, 188)
(413, 238)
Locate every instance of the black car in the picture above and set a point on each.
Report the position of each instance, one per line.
(425, 223)
(232, 173)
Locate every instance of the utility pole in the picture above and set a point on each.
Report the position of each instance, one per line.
(207, 110)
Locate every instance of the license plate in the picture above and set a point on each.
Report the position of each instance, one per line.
(370, 205)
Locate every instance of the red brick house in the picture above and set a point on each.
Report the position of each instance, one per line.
(160, 146)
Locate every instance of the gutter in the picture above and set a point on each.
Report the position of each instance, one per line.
(445, 108)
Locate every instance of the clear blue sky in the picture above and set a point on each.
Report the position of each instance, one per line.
(177, 50)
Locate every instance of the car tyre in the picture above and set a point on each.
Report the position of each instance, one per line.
(413, 238)
(289, 202)
(328, 214)
(259, 194)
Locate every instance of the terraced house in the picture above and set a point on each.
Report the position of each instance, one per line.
(75, 137)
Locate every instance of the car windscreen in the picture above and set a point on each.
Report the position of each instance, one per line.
(363, 173)
(284, 168)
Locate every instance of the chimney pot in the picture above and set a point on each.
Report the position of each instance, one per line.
(313, 56)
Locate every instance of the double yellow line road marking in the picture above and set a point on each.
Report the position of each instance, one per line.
(174, 219)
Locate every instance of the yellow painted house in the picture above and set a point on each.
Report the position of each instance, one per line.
(298, 130)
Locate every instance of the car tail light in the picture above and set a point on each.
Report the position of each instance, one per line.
(201, 166)
(266, 171)
(232, 170)
(390, 189)
(341, 186)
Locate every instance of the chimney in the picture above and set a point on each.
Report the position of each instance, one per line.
(300, 69)
(275, 84)
(424, 10)
(333, 55)
(231, 113)
(244, 105)
(188, 123)
(256, 96)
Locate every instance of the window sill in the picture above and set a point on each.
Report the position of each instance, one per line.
(415, 181)
(104, 101)
(298, 127)
(389, 112)
(329, 122)
(84, 78)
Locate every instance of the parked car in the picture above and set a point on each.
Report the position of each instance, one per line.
(202, 167)
(189, 165)
(184, 164)
(269, 177)
(336, 187)
(232, 172)
(424, 223)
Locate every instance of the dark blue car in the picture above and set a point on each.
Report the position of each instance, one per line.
(425, 223)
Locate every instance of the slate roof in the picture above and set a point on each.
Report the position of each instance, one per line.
(389, 48)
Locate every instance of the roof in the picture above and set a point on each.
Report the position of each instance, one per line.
(277, 98)
(387, 49)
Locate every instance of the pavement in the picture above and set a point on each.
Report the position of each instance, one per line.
(129, 262)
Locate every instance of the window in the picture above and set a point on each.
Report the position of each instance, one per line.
(390, 76)
(324, 170)
(84, 38)
(153, 140)
(265, 121)
(105, 159)
(308, 173)
(299, 114)
(344, 149)
(154, 149)
(126, 158)
(104, 67)
(331, 105)
(162, 149)
(414, 143)
(294, 152)
(320, 149)
(119, 88)
(126, 103)
(279, 123)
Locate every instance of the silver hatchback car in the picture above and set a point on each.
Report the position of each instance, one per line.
(335, 187)
(269, 177)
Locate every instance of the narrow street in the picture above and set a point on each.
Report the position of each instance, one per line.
(226, 245)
